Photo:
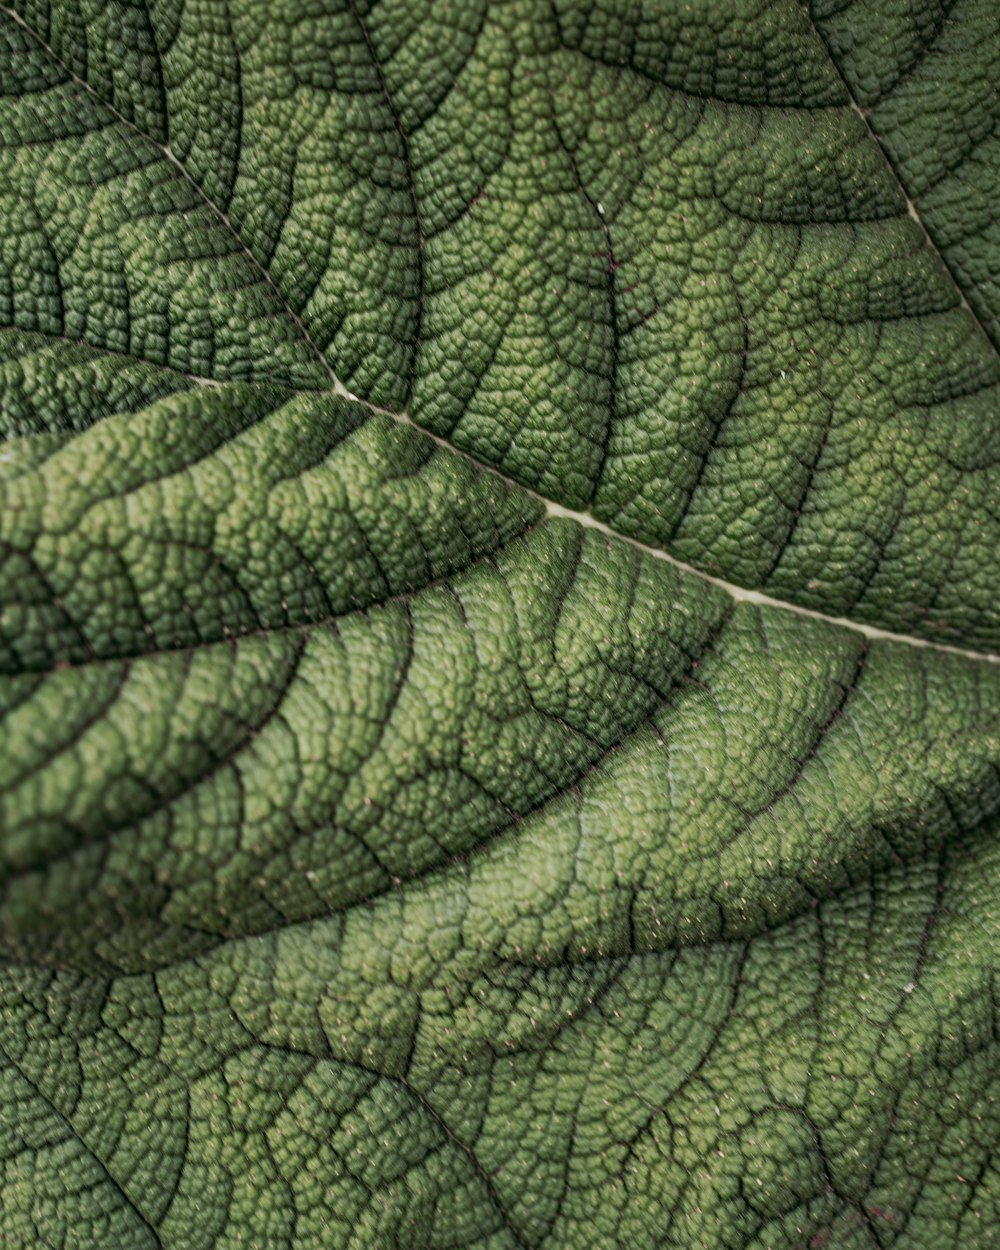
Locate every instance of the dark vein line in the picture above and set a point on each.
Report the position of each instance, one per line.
(907, 69)
(234, 637)
(49, 338)
(610, 266)
(719, 421)
(689, 94)
(410, 188)
(240, 106)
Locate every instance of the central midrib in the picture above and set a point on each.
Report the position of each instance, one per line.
(741, 594)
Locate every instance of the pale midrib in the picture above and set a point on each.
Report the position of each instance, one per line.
(741, 594)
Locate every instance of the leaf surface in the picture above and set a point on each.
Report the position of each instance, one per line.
(498, 573)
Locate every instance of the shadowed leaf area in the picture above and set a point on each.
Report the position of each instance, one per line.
(404, 845)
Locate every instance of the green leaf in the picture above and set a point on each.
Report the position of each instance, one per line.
(499, 563)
